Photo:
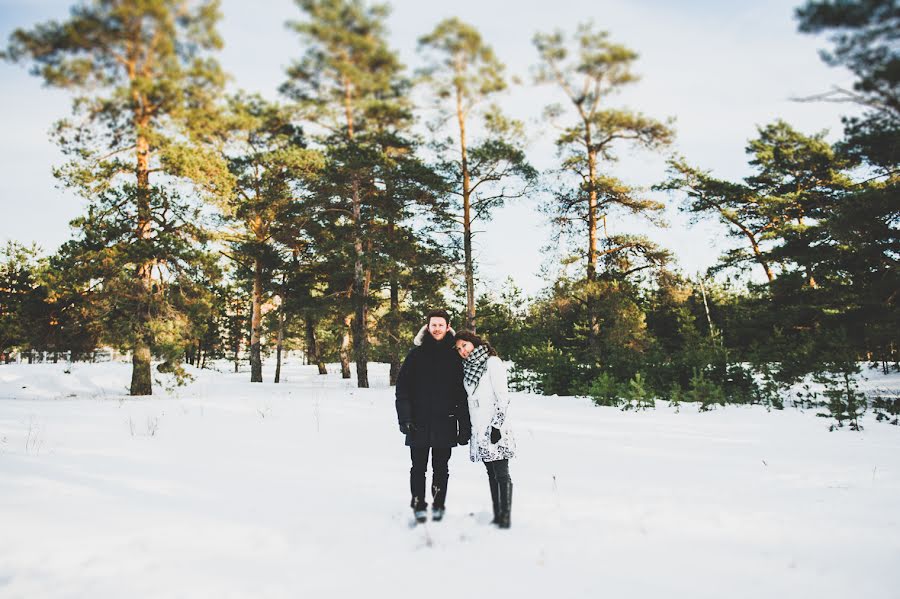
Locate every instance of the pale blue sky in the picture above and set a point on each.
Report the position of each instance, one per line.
(719, 68)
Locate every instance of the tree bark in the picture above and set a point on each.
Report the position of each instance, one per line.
(312, 346)
(141, 381)
(593, 307)
(345, 348)
(359, 292)
(256, 324)
(140, 370)
(237, 352)
(393, 328)
(592, 205)
(469, 266)
(360, 295)
(279, 345)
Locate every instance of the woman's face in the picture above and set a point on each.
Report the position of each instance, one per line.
(464, 348)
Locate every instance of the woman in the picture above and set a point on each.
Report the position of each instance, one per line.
(484, 376)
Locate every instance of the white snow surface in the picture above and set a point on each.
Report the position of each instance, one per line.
(223, 488)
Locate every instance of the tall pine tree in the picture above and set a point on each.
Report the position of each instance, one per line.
(346, 66)
(144, 87)
(588, 70)
(488, 169)
(269, 163)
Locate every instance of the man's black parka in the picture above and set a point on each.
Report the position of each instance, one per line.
(431, 396)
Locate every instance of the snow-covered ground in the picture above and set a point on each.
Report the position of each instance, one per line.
(229, 489)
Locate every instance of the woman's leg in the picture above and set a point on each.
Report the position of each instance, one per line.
(504, 485)
(495, 490)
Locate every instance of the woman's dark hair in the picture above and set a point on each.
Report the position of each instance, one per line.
(476, 341)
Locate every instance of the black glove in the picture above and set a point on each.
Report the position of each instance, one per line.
(463, 437)
(495, 434)
(407, 427)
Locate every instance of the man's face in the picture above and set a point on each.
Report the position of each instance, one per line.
(437, 326)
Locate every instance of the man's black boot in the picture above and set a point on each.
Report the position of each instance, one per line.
(439, 496)
(420, 508)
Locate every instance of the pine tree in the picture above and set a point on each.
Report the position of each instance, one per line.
(269, 163)
(408, 258)
(771, 210)
(864, 33)
(858, 235)
(464, 74)
(145, 87)
(19, 272)
(588, 76)
(346, 65)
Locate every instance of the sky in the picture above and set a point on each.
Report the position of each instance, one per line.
(720, 69)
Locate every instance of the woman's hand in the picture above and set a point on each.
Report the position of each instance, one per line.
(495, 434)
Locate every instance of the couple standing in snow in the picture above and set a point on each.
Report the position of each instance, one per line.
(451, 391)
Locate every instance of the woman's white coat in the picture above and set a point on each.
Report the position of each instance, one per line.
(488, 407)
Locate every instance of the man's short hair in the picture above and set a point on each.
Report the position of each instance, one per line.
(438, 314)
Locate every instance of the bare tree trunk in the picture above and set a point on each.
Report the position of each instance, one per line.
(360, 291)
(237, 353)
(345, 348)
(312, 350)
(393, 329)
(467, 214)
(592, 208)
(593, 300)
(712, 330)
(140, 370)
(279, 344)
(141, 382)
(312, 346)
(360, 297)
(256, 325)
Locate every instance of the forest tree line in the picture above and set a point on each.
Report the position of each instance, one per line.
(227, 226)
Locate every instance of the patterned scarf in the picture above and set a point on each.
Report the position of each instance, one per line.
(474, 366)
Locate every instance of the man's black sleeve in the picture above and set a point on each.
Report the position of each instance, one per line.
(404, 390)
(462, 406)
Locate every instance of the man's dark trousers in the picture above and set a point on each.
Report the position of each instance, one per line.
(440, 472)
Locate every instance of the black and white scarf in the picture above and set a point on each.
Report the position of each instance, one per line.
(474, 366)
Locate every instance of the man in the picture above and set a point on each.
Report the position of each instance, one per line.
(432, 411)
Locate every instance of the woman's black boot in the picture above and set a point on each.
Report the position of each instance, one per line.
(505, 515)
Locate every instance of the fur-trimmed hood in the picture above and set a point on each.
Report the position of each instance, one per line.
(420, 337)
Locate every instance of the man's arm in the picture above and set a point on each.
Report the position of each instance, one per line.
(462, 409)
(404, 390)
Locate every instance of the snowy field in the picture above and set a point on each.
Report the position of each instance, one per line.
(224, 489)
